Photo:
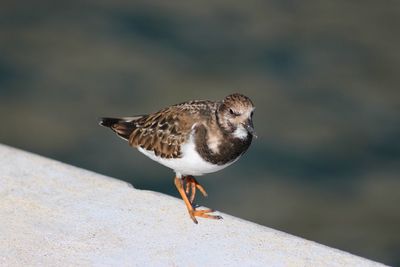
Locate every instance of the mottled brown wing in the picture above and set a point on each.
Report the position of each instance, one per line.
(165, 131)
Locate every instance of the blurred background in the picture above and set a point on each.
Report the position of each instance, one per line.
(324, 76)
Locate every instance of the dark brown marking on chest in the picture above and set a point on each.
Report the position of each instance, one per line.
(229, 148)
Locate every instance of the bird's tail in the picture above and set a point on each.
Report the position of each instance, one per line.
(123, 127)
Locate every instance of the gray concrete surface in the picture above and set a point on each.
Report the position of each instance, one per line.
(54, 214)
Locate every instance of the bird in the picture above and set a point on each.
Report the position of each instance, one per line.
(192, 138)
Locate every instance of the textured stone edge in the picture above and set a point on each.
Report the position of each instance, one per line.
(92, 175)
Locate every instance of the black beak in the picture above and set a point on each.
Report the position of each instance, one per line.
(249, 127)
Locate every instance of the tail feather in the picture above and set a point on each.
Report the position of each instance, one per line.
(108, 122)
(123, 127)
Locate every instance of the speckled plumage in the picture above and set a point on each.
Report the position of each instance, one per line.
(193, 137)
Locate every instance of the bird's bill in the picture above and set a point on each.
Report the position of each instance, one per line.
(250, 128)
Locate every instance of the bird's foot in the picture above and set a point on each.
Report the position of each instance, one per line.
(203, 214)
(191, 186)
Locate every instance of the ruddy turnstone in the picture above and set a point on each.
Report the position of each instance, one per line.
(192, 138)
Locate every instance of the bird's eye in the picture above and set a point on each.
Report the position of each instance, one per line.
(234, 113)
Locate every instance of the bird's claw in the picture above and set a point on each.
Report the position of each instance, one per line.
(191, 185)
(203, 214)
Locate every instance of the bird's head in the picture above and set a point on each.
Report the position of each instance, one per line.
(235, 115)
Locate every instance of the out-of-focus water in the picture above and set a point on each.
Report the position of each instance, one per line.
(324, 78)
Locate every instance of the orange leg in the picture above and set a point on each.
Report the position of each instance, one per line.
(192, 184)
(192, 211)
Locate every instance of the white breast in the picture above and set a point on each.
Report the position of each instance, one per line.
(191, 163)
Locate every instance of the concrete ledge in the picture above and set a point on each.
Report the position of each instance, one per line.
(53, 214)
